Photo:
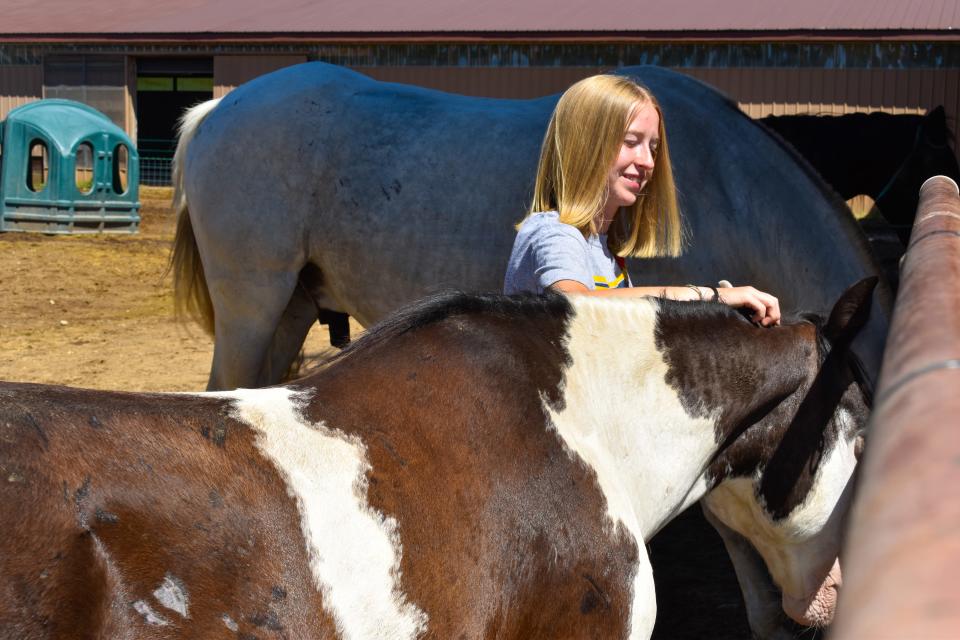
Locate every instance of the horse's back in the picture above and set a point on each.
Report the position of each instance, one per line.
(180, 504)
(385, 187)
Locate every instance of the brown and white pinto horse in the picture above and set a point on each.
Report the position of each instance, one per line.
(476, 467)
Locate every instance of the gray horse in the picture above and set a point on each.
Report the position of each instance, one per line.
(315, 186)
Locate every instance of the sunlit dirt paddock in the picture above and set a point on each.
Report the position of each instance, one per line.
(97, 311)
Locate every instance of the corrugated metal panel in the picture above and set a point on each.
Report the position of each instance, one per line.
(468, 16)
(19, 84)
(510, 82)
(230, 72)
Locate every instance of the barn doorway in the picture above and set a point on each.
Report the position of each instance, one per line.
(165, 88)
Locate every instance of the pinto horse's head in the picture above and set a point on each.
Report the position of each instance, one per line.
(785, 481)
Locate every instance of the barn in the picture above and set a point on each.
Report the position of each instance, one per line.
(141, 66)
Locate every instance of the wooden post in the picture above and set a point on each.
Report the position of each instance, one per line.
(901, 563)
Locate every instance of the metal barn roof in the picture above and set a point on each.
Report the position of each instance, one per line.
(56, 19)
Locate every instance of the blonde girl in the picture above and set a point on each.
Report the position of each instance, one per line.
(597, 200)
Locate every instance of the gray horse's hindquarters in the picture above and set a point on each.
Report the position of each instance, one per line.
(395, 192)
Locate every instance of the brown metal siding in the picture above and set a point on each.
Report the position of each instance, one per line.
(490, 82)
(19, 84)
(230, 72)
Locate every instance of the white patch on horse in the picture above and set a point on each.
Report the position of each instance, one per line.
(799, 549)
(173, 595)
(354, 551)
(150, 616)
(617, 407)
(230, 624)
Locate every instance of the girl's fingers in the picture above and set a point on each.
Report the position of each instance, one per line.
(766, 307)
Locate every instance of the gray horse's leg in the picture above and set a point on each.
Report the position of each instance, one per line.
(248, 312)
(761, 597)
(295, 323)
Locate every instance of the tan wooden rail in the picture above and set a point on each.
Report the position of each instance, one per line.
(901, 561)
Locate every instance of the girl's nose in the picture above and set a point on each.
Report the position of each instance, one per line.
(644, 157)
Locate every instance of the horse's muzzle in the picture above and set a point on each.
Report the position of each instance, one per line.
(816, 610)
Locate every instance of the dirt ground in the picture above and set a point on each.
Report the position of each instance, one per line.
(96, 311)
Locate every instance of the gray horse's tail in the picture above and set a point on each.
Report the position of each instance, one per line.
(191, 297)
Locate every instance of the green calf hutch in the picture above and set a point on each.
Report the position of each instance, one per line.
(66, 168)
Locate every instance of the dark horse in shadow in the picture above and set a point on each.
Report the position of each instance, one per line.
(885, 156)
(882, 155)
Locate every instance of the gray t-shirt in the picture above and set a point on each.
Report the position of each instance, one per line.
(546, 251)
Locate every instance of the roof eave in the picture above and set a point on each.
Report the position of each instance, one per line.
(398, 37)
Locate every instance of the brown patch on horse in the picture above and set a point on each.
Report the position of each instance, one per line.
(164, 488)
(768, 410)
(789, 427)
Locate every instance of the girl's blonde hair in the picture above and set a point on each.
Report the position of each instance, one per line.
(582, 142)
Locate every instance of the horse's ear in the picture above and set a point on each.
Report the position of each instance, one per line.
(851, 311)
(933, 126)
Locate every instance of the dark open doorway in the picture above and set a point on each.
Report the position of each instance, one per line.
(165, 88)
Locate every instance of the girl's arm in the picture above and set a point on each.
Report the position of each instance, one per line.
(766, 308)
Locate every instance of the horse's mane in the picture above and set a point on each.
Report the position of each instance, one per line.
(439, 306)
(707, 309)
(443, 305)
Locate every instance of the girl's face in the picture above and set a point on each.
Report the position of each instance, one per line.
(634, 165)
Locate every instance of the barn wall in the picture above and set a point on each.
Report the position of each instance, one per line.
(230, 72)
(490, 82)
(19, 84)
(758, 91)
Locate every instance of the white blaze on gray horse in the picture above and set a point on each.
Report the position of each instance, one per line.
(317, 186)
(474, 467)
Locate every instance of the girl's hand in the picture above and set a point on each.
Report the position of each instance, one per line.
(766, 308)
